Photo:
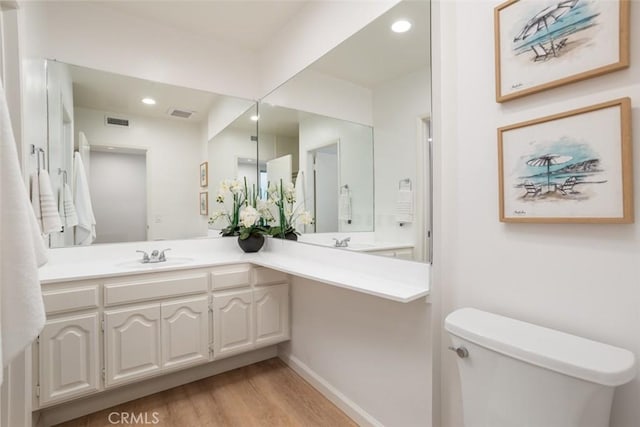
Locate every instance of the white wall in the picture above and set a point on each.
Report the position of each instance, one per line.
(118, 194)
(173, 160)
(376, 352)
(318, 93)
(585, 278)
(398, 105)
(356, 162)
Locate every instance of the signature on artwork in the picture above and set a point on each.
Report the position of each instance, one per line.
(520, 212)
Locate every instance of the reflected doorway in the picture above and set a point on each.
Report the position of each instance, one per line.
(325, 185)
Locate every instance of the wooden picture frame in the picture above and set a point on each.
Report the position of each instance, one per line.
(204, 203)
(204, 174)
(572, 167)
(542, 44)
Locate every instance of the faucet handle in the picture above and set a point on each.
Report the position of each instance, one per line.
(162, 255)
(145, 256)
(347, 239)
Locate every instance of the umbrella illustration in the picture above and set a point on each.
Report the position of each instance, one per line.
(544, 18)
(548, 160)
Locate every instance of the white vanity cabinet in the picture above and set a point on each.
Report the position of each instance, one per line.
(109, 332)
(68, 352)
(249, 310)
(132, 343)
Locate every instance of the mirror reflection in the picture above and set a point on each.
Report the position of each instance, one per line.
(378, 83)
(144, 152)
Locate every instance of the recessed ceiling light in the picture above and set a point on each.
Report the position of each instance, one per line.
(149, 101)
(401, 26)
(255, 117)
(110, 148)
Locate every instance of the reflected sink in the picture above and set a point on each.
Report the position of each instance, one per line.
(170, 262)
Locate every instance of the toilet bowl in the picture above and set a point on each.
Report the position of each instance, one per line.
(516, 374)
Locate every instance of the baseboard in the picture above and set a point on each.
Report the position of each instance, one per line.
(349, 407)
(106, 399)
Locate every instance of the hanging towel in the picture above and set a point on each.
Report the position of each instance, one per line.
(22, 251)
(344, 205)
(66, 207)
(45, 207)
(86, 228)
(404, 206)
(300, 200)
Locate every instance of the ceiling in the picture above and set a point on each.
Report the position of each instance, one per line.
(115, 93)
(376, 54)
(248, 24)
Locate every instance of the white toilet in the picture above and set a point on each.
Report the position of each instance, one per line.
(515, 374)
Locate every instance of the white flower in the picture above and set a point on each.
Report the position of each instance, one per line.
(264, 210)
(224, 186)
(220, 198)
(217, 215)
(305, 218)
(235, 187)
(249, 216)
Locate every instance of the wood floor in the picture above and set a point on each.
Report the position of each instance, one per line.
(267, 393)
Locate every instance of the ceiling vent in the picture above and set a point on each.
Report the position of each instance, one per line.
(183, 114)
(116, 121)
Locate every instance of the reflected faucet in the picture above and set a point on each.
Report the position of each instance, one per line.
(344, 243)
(156, 256)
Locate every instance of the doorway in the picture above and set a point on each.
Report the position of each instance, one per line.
(118, 185)
(325, 185)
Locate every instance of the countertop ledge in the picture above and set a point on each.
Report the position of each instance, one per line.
(393, 279)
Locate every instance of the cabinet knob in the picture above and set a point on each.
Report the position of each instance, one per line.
(460, 351)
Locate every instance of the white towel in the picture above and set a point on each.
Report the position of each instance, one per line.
(300, 200)
(404, 206)
(44, 204)
(86, 228)
(344, 205)
(66, 207)
(22, 251)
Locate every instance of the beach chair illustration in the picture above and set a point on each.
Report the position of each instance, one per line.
(532, 189)
(540, 51)
(567, 186)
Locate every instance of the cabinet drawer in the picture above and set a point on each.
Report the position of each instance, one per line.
(231, 277)
(149, 289)
(73, 299)
(266, 276)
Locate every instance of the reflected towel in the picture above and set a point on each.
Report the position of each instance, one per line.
(344, 205)
(44, 204)
(404, 206)
(300, 200)
(66, 207)
(22, 251)
(86, 228)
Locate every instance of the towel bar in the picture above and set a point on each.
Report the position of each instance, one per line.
(406, 180)
(35, 150)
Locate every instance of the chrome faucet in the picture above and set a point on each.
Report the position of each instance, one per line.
(156, 256)
(344, 243)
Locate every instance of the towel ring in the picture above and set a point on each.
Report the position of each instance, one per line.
(402, 181)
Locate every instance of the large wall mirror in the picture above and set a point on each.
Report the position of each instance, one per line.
(354, 128)
(148, 150)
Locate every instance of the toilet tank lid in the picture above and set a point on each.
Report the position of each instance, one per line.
(558, 351)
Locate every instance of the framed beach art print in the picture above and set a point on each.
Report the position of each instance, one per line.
(541, 44)
(204, 203)
(569, 167)
(204, 174)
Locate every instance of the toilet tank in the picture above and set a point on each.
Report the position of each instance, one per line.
(517, 374)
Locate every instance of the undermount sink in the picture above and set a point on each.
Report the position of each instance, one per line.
(138, 264)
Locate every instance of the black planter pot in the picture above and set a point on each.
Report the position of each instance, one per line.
(253, 243)
(289, 236)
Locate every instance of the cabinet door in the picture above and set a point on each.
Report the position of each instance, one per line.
(132, 338)
(271, 305)
(185, 332)
(69, 357)
(233, 330)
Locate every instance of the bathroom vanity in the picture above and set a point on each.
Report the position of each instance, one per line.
(113, 321)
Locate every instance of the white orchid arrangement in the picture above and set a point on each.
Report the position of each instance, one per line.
(238, 194)
(250, 222)
(283, 196)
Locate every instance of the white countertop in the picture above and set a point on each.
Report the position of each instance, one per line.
(389, 278)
